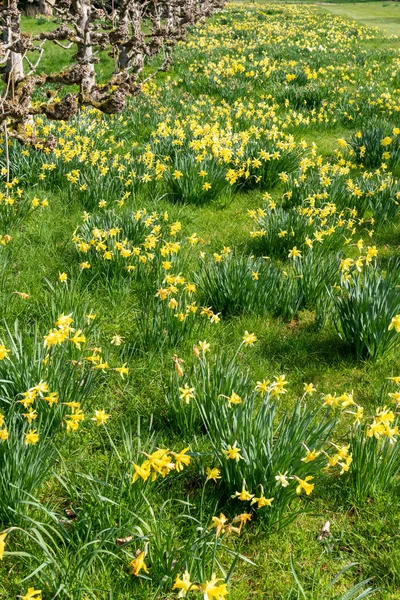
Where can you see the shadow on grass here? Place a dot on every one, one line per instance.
(302, 346)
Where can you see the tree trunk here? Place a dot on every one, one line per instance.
(46, 7)
(14, 71)
(31, 9)
(123, 32)
(138, 59)
(82, 10)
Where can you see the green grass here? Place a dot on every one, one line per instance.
(385, 15)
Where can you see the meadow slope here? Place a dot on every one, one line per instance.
(200, 324)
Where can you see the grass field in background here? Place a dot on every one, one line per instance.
(385, 15)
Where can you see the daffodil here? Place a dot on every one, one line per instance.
(211, 590)
(219, 523)
(124, 370)
(303, 485)
(309, 389)
(138, 564)
(181, 459)
(117, 340)
(249, 339)
(2, 544)
(100, 417)
(232, 453)
(310, 456)
(213, 473)
(32, 594)
(281, 479)
(262, 500)
(4, 352)
(31, 438)
(187, 393)
(395, 324)
(184, 585)
(244, 495)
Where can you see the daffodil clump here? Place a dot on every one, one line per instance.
(148, 250)
(45, 390)
(161, 462)
(141, 244)
(372, 456)
(366, 303)
(15, 206)
(371, 148)
(313, 223)
(245, 429)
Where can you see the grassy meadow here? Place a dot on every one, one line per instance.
(200, 323)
